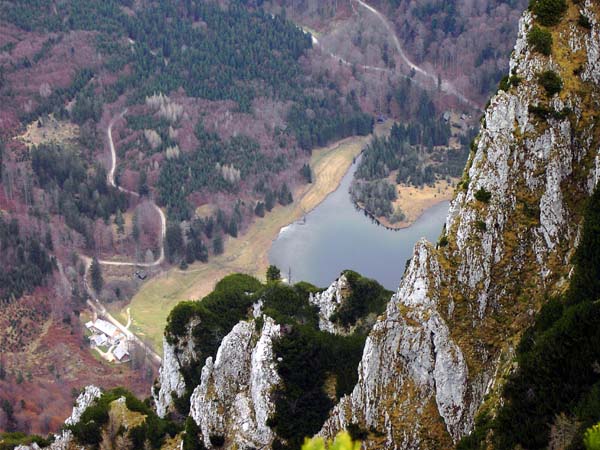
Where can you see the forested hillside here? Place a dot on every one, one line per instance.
(210, 105)
(25, 261)
(465, 41)
(422, 149)
(217, 94)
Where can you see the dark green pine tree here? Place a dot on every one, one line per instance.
(190, 257)
(269, 200)
(174, 242)
(285, 195)
(585, 282)
(306, 173)
(217, 244)
(1, 143)
(143, 188)
(233, 227)
(49, 244)
(273, 274)
(120, 222)
(96, 274)
(260, 209)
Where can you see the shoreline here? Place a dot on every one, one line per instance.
(248, 253)
(414, 202)
(403, 225)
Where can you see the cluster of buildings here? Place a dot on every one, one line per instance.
(105, 334)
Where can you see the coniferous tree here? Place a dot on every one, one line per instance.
(237, 212)
(49, 244)
(273, 273)
(190, 257)
(217, 244)
(143, 188)
(199, 249)
(259, 210)
(135, 232)
(96, 275)
(222, 220)
(174, 242)
(120, 222)
(209, 227)
(1, 143)
(233, 227)
(285, 195)
(269, 200)
(306, 173)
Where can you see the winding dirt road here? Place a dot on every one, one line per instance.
(111, 181)
(446, 86)
(94, 303)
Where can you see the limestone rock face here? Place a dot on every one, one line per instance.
(511, 229)
(328, 301)
(170, 379)
(89, 395)
(408, 351)
(63, 441)
(233, 401)
(592, 44)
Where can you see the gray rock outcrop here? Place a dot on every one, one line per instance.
(233, 400)
(511, 230)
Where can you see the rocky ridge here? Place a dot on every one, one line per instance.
(63, 441)
(438, 353)
(233, 400)
(170, 380)
(450, 328)
(328, 302)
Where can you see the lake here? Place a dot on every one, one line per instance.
(336, 236)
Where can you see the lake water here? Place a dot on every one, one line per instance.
(336, 236)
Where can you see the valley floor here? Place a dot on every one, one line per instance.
(247, 254)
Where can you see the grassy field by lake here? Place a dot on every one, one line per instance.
(248, 253)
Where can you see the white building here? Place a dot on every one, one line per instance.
(102, 327)
(121, 353)
(98, 340)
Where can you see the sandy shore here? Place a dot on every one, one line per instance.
(414, 201)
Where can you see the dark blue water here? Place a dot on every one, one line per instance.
(337, 236)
